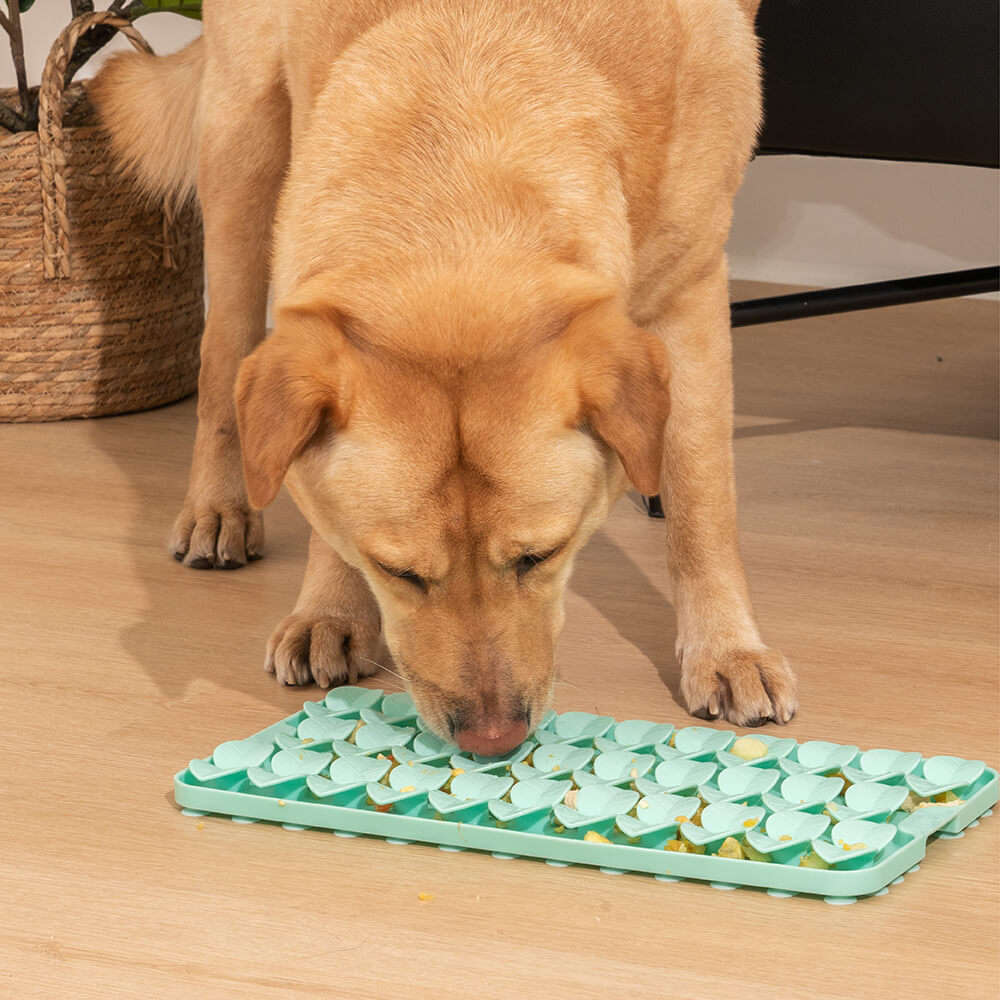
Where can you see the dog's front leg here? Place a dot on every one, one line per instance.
(243, 154)
(332, 634)
(726, 670)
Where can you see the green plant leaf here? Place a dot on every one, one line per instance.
(186, 8)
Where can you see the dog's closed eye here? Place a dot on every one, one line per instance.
(527, 562)
(404, 574)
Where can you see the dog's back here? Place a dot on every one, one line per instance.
(647, 52)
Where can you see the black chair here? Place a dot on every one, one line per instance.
(915, 80)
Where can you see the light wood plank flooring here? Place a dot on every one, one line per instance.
(867, 452)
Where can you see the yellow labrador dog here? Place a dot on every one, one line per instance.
(488, 225)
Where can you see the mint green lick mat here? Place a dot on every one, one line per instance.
(694, 803)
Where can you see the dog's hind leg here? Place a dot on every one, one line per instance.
(243, 154)
(726, 670)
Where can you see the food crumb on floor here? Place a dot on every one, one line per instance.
(424, 896)
(199, 826)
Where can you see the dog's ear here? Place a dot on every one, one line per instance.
(291, 386)
(624, 386)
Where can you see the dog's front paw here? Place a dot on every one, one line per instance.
(324, 648)
(747, 687)
(217, 534)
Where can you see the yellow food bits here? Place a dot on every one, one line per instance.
(812, 860)
(556, 767)
(748, 748)
(681, 819)
(424, 896)
(281, 802)
(852, 847)
(950, 802)
(692, 848)
(948, 797)
(785, 836)
(683, 846)
(199, 826)
(731, 849)
(408, 788)
(644, 803)
(847, 784)
(308, 739)
(748, 823)
(751, 854)
(456, 771)
(593, 837)
(634, 773)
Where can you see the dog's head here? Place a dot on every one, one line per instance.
(458, 453)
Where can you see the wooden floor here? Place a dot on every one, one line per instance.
(867, 450)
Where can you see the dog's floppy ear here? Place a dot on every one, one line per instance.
(624, 391)
(293, 384)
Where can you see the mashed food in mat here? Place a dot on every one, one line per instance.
(748, 748)
(812, 860)
(731, 848)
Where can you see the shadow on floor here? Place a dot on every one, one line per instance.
(196, 624)
(867, 369)
(614, 585)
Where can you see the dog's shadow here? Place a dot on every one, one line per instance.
(189, 627)
(211, 626)
(611, 582)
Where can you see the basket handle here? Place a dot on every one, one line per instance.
(51, 155)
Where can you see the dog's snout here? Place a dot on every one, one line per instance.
(492, 738)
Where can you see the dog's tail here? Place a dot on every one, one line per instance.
(149, 106)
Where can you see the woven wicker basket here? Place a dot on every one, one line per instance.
(101, 296)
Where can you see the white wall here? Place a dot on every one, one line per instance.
(41, 26)
(826, 221)
(800, 220)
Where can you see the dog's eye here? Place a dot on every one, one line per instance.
(530, 560)
(404, 574)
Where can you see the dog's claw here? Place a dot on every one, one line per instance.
(323, 648)
(747, 687)
(225, 538)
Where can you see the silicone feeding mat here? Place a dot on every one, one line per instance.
(694, 803)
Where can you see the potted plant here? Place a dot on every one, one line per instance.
(101, 293)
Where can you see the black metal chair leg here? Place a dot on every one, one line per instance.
(826, 301)
(653, 505)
